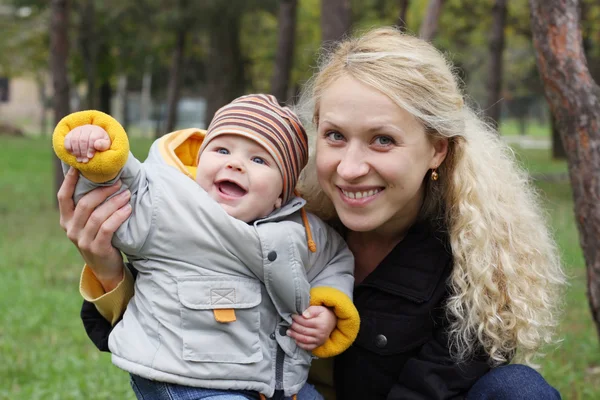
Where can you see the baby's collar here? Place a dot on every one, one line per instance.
(293, 205)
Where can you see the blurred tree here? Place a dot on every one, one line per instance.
(182, 22)
(285, 49)
(59, 52)
(590, 14)
(429, 26)
(574, 99)
(336, 19)
(226, 78)
(401, 23)
(89, 46)
(493, 108)
(24, 48)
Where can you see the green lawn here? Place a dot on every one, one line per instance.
(533, 127)
(45, 354)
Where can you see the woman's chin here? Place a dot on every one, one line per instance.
(359, 223)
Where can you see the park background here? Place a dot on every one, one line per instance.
(159, 65)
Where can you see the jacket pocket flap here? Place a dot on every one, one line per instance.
(209, 292)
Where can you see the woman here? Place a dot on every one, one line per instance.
(456, 272)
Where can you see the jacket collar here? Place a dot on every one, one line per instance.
(292, 206)
(416, 266)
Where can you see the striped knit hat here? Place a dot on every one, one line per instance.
(260, 117)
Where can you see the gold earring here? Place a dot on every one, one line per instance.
(434, 175)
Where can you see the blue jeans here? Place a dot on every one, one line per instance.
(512, 382)
(146, 389)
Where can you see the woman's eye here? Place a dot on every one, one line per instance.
(335, 136)
(258, 160)
(384, 140)
(222, 150)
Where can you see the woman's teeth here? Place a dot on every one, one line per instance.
(360, 195)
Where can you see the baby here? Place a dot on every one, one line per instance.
(225, 261)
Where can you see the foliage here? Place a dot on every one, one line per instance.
(24, 42)
(135, 36)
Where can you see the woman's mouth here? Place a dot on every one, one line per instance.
(359, 197)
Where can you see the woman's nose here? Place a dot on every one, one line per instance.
(352, 165)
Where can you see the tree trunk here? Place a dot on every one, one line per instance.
(175, 78)
(522, 125)
(105, 97)
(88, 43)
(336, 19)
(401, 23)
(574, 100)
(40, 79)
(494, 79)
(225, 65)
(558, 150)
(285, 49)
(121, 105)
(145, 100)
(429, 25)
(59, 50)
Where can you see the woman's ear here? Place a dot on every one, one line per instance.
(440, 147)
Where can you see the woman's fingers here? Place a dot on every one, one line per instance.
(115, 218)
(80, 221)
(66, 206)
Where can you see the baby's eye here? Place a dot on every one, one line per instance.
(335, 136)
(384, 140)
(222, 150)
(258, 160)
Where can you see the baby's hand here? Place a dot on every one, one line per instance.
(313, 327)
(85, 140)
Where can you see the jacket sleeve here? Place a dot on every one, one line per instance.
(104, 166)
(110, 305)
(432, 374)
(332, 283)
(96, 323)
(104, 169)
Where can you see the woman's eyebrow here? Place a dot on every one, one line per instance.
(330, 123)
(386, 128)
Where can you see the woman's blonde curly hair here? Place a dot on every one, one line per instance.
(507, 279)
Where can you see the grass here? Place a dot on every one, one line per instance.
(45, 353)
(533, 128)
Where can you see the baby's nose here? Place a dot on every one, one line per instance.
(235, 165)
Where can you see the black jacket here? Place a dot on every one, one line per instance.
(401, 351)
(97, 328)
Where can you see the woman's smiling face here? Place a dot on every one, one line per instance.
(372, 157)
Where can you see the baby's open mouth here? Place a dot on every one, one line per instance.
(231, 189)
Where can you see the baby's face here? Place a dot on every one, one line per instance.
(241, 176)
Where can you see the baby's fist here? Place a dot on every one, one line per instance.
(85, 140)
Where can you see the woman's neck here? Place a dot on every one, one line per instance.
(370, 249)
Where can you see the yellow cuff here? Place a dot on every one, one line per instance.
(111, 305)
(105, 165)
(348, 320)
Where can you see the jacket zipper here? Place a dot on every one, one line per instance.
(279, 368)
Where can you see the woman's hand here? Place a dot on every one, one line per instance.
(91, 229)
